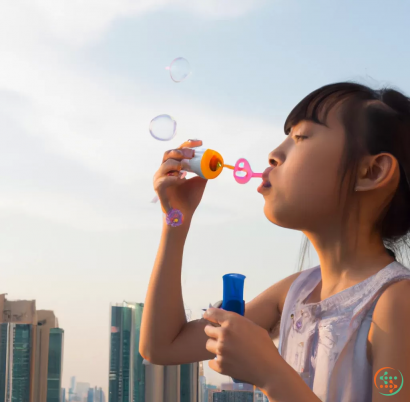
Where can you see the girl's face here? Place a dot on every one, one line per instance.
(304, 178)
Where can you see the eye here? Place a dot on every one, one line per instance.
(300, 137)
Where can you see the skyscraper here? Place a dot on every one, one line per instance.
(15, 361)
(259, 396)
(176, 383)
(189, 382)
(81, 390)
(201, 383)
(25, 353)
(71, 391)
(99, 395)
(55, 364)
(17, 337)
(127, 374)
(90, 396)
(234, 396)
(211, 392)
(120, 351)
(73, 383)
(49, 350)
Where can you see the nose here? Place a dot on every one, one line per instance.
(275, 157)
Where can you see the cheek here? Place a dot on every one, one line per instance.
(304, 194)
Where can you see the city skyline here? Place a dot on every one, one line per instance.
(83, 392)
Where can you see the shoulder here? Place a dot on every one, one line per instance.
(393, 301)
(390, 329)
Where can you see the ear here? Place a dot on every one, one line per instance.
(376, 171)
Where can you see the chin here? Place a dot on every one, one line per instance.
(282, 217)
(272, 216)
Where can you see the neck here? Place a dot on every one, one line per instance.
(347, 260)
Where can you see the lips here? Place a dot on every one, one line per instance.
(265, 180)
(265, 177)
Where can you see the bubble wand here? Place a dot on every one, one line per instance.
(208, 164)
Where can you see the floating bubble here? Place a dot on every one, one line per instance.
(163, 127)
(179, 69)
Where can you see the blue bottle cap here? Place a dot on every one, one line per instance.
(233, 293)
(233, 286)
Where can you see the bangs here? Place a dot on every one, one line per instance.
(316, 106)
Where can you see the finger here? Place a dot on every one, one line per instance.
(178, 154)
(191, 144)
(216, 315)
(211, 345)
(212, 332)
(169, 166)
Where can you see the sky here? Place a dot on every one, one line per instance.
(79, 85)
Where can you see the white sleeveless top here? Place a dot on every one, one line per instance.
(326, 342)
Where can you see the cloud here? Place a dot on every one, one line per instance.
(91, 165)
(78, 22)
(75, 142)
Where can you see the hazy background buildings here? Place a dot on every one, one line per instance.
(82, 392)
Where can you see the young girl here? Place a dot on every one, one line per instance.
(342, 177)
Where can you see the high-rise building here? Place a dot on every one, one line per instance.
(46, 343)
(176, 383)
(73, 383)
(17, 340)
(211, 392)
(55, 364)
(233, 396)
(201, 383)
(81, 390)
(189, 382)
(259, 396)
(15, 361)
(127, 373)
(233, 386)
(30, 356)
(90, 396)
(99, 395)
(71, 391)
(206, 393)
(63, 398)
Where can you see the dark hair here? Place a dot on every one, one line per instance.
(375, 121)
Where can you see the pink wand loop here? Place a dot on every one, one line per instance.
(242, 172)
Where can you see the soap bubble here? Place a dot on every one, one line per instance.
(163, 127)
(179, 69)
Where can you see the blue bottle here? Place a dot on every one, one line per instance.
(233, 296)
